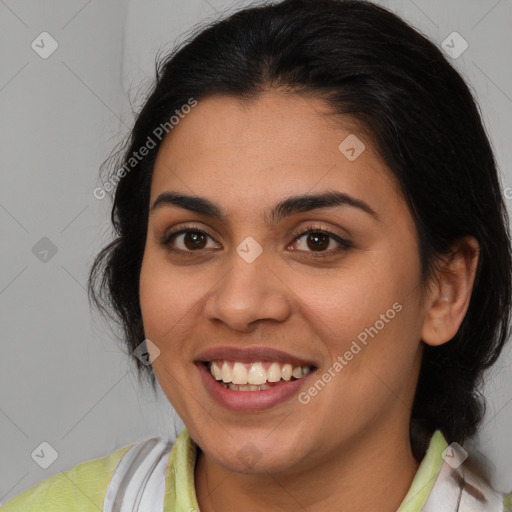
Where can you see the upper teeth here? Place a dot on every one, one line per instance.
(255, 373)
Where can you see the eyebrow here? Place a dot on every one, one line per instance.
(283, 209)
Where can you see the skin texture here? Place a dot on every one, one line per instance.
(339, 450)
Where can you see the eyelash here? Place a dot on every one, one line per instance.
(344, 245)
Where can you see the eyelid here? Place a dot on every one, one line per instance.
(315, 227)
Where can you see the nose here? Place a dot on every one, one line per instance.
(248, 294)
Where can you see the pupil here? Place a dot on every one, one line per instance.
(320, 240)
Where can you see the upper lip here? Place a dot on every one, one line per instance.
(250, 355)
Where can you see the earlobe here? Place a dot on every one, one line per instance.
(450, 292)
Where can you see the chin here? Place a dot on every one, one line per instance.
(255, 454)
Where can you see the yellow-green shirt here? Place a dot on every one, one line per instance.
(83, 488)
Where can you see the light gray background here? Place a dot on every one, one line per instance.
(63, 378)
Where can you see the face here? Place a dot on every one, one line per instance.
(265, 282)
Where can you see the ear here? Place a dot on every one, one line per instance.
(450, 292)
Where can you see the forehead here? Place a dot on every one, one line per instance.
(276, 145)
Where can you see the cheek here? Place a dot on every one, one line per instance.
(370, 310)
(368, 333)
(350, 298)
(164, 298)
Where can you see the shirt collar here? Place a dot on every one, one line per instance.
(180, 491)
(426, 475)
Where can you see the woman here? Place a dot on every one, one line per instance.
(312, 252)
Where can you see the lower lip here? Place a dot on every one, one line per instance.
(249, 400)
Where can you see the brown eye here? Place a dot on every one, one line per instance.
(189, 241)
(194, 240)
(318, 241)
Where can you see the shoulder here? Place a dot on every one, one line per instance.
(507, 504)
(82, 488)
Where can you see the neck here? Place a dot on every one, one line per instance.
(373, 470)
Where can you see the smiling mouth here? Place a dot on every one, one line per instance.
(256, 376)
